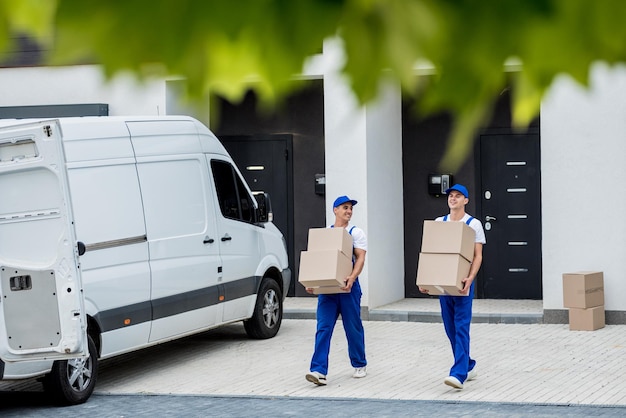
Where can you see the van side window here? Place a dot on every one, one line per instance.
(234, 200)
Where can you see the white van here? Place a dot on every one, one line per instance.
(117, 233)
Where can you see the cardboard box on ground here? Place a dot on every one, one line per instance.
(327, 261)
(583, 294)
(588, 319)
(447, 252)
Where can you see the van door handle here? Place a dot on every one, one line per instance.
(208, 240)
(226, 238)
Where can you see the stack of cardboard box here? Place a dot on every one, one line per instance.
(583, 294)
(327, 261)
(447, 252)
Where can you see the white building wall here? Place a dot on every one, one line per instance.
(80, 84)
(583, 172)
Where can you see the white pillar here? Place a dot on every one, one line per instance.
(363, 147)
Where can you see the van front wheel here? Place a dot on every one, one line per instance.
(71, 382)
(268, 312)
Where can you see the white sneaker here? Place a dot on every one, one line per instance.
(472, 374)
(317, 378)
(453, 381)
(360, 372)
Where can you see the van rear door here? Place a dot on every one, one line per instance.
(41, 300)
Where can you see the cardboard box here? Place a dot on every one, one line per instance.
(448, 238)
(327, 290)
(589, 319)
(330, 239)
(324, 268)
(441, 274)
(584, 289)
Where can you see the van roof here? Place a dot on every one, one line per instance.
(98, 137)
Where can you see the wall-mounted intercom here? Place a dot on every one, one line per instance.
(320, 184)
(439, 183)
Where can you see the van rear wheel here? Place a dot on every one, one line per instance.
(71, 382)
(268, 312)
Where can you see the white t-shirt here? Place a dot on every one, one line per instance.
(475, 224)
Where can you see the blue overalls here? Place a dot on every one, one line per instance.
(456, 312)
(328, 309)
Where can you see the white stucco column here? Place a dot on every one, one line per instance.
(363, 147)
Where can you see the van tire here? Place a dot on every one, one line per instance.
(268, 312)
(71, 382)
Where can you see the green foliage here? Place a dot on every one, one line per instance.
(230, 46)
(34, 17)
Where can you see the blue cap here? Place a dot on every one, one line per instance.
(343, 199)
(459, 188)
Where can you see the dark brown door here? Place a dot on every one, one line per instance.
(266, 164)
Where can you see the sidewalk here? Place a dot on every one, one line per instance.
(503, 311)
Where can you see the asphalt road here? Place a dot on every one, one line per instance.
(35, 404)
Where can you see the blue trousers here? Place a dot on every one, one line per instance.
(328, 309)
(456, 312)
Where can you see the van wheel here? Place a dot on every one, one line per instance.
(268, 312)
(71, 382)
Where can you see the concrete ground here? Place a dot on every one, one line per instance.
(521, 362)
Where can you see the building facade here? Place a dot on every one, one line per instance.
(549, 197)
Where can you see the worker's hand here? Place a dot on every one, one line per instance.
(467, 283)
(421, 289)
(349, 282)
(309, 290)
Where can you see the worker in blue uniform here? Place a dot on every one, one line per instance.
(456, 311)
(348, 305)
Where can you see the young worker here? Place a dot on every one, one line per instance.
(456, 311)
(329, 307)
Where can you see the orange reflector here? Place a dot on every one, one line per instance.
(127, 321)
(221, 298)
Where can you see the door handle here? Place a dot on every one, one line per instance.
(226, 238)
(489, 218)
(82, 248)
(208, 240)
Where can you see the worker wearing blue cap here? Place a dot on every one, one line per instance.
(348, 305)
(456, 311)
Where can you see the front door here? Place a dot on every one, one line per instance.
(510, 206)
(266, 164)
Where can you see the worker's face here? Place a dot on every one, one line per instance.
(343, 212)
(456, 200)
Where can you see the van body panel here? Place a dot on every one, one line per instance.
(168, 328)
(36, 218)
(180, 222)
(124, 340)
(106, 197)
(95, 139)
(209, 142)
(240, 307)
(159, 138)
(26, 369)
